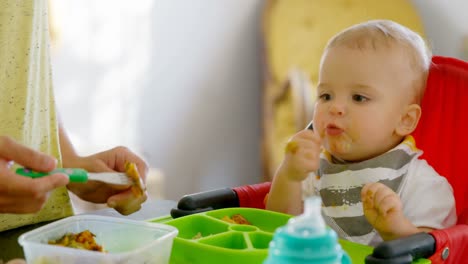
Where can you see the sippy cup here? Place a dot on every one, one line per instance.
(306, 239)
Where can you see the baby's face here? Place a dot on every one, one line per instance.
(361, 97)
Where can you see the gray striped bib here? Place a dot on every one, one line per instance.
(339, 186)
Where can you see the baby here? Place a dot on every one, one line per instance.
(360, 157)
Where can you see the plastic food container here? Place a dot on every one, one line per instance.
(126, 241)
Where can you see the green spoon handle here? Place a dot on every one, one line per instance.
(75, 175)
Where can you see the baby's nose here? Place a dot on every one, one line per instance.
(337, 108)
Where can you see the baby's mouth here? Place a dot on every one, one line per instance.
(333, 130)
(339, 141)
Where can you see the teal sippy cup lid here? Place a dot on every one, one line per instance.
(306, 239)
(311, 222)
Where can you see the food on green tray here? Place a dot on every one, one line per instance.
(83, 240)
(236, 219)
(197, 236)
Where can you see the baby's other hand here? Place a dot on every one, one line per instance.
(383, 209)
(302, 155)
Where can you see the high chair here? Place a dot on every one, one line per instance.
(442, 134)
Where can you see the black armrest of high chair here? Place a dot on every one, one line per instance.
(205, 201)
(244, 196)
(439, 246)
(403, 250)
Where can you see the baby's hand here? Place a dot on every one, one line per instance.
(302, 155)
(383, 209)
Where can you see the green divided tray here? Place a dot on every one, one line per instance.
(205, 238)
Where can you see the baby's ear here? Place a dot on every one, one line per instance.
(409, 120)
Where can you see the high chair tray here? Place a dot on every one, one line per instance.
(206, 238)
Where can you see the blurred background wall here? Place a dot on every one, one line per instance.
(179, 82)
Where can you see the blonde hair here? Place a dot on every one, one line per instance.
(386, 33)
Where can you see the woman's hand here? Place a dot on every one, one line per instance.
(20, 194)
(121, 198)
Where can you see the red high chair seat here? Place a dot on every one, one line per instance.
(442, 134)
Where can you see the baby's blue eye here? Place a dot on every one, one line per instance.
(359, 98)
(325, 97)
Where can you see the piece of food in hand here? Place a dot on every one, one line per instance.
(236, 219)
(83, 240)
(291, 147)
(138, 187)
